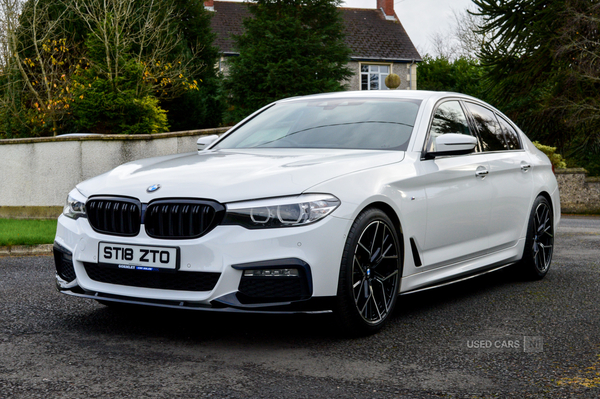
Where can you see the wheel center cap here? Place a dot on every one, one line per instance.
(368, 272)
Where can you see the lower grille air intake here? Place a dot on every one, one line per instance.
(277, 280)
(179, 281)
(272, 289)
(63, 260)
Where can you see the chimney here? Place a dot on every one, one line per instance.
(209, 5)
(387, 7)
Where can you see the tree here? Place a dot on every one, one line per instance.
(579, 47)
(463, 75)
(101, 65)
(137, 54)
(542, 70)
(202, 108)
(12, 120)
(463, 40)
(289, 48)
(143, 32)
(40, 59)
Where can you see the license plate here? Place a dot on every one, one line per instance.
(138, 257)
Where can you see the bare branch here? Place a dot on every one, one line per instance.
(120, 26)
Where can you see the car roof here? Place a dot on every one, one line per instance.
(399, 94)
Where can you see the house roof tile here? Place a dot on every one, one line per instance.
(368, 33)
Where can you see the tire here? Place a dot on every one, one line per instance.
(370, 274)
(539, 244)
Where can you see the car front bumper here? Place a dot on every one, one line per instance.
(222, 255)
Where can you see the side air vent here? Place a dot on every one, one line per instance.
(415, 252)
(182, 218)
(119, 216)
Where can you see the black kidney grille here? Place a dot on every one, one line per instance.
(179, 281)
(181, 219)
(116, 216)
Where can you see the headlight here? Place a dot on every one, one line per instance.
(281, 212)
(75, 206)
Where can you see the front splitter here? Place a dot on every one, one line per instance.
(224, 304)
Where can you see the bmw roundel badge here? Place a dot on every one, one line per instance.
(153, 188)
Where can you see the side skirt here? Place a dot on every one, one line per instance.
(457, 280)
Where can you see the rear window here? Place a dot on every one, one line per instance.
(490, 132)
(382, 124)
(510, 134)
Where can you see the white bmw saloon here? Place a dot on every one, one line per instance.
(336, 203)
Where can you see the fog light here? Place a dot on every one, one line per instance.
(271, 273)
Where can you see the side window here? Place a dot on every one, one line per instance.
(490, 132)
(511, 135)
(449, 117)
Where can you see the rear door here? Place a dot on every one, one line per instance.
(510, 180)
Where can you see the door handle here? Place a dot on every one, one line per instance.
(481, 173)
(525, 167)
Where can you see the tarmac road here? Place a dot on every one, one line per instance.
(494, 336)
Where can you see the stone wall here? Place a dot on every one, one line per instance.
(38, 173)
(578, 193)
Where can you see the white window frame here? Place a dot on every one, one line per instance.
(373, 69)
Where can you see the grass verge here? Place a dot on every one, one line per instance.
(27, 231)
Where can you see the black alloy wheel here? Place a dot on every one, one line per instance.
(539, 244)
(370, 273)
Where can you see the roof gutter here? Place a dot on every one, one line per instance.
(380, 59)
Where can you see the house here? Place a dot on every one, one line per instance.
(379, 43)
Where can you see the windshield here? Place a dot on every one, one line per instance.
(380, 124)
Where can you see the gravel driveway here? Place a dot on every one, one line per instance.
(493, 336)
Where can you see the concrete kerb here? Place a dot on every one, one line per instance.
(26, 250)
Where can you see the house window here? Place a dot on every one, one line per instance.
(373, 77)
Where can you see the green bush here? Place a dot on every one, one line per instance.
(463, 75)
(100, 108)
(557, 160)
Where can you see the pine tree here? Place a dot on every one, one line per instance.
(522, 74)
(289, 48)
(542, 70)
